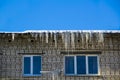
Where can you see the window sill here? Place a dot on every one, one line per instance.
(89, 75)
(31, 75)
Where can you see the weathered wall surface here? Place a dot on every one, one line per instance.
(51, 45)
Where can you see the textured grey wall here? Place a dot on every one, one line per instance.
(13, 51)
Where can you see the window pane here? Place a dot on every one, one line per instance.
(36, 65)
(81, 65)
(92, 65)
(69, 65)
(27, 65)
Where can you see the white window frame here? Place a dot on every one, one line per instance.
(31, 65)
(75, 65)
(97, 65)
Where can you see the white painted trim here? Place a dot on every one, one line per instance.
(86, 64)
(31, 66)
(75, 64)
(98, 59)
(22, 65)
(97, 64)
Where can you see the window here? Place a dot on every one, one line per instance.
(31, 65)
(69, 65)
(81, 65)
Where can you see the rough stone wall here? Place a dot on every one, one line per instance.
(52, 59)
(110, 57)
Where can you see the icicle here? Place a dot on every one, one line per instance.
(13, 36)
(32, 34)
(101, 38)
(82, 39)
(87, 37)
(39, 35)
(51, 34)
(65, 40)
(36, 35)
(55, 38)
(63, 37)
(90, 36)
(42, 37)
(77, 34)
(110, 42)
(72, 40)
(46, 37)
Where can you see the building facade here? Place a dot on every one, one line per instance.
(60, 55)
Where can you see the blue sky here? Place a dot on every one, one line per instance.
(21, 15)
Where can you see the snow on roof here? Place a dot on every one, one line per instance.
(106, 31)
(61, 31)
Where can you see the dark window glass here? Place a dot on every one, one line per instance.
(27, 65)
(81, 65)
(92, 65)
(36, 65)
(69, 65)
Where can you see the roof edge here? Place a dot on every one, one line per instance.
(61, 31)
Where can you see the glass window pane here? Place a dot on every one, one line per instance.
(27, 65)
(92, 65)
(69, 65)
(81, 65)
(36, 65)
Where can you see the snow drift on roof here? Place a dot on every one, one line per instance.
(61, 31)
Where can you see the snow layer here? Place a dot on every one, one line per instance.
(61, 31)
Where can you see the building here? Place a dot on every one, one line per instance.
(60, 55)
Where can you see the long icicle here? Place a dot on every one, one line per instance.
(55, 38)
(66, 40)
(36, 35)
(46, 37)
(87, 39)
(82, 39)
(72, 40)
(13, 36)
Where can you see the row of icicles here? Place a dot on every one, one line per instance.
(69, 37)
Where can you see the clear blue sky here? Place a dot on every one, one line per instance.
(20, 15)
